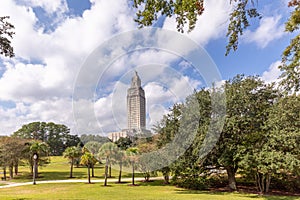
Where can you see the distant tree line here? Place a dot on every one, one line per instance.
(57, 136)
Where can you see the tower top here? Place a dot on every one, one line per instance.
(135, 81)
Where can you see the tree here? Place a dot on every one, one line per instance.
(6, 34)
(57, 136)
(42, 151)
(72, 153)
(248, 100)
(124, 143)
(93, 147)
(88, 159)
(11, 153)
(108, 151)
(96, 138)
(276, 149)
(132, 154)
(291, 54)
(167, 129)
(187, 12)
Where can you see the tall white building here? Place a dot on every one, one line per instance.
(136, 112)
(136, 105)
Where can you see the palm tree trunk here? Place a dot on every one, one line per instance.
(132, 172)
(106, 172)
(93, 174)
(89, 174)
(120, 172)
(71, 170)
(109, 171)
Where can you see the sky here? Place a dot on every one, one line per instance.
(74, 60)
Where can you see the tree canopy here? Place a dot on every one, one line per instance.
(57, 136)
(6, 34)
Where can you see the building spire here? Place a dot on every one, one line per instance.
(136, 81)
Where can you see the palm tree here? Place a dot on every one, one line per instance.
(88, 160)
(132, 155)
(72, 153)
(41, 149)
(120, 155)
(107, 151)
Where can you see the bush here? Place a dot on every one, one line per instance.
(193, 183)
(286, 182)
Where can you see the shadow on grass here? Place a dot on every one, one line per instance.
(153, 183)
(241, 194)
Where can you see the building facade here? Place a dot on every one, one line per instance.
(136, 105)
(136, 112)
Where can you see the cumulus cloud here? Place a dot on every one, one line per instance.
(40, 79)
(270, 29)
(273, 73)
(210, 25)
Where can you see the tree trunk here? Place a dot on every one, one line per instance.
(231, 178)
(268, 182)
(120, 172)
(16, 168)
(166, 173)
(36, 169)
(11, 171)
(93, 174)
(4, 174)
(71, 170)
(89, 174)
(106, 172)
(132, 172)
(263, 182)
(109, 172)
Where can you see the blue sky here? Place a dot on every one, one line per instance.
(55, 39)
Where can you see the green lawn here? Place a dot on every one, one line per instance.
(121, 191)
(59, 170)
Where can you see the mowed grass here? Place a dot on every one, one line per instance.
(59, 169)
(145, 191)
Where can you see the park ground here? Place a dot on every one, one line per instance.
(78, 188)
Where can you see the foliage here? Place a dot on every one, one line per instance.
(291, 55)
(96, 138)
(72, 153)
(187, 12)
(192, 183)
(6, 34)
(42, 151)
(109, 151)
(11, 153)
(277, 150)
(89, 160)
(124, 143)
(93, 146)
(57, 136)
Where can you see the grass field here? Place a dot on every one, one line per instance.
(59, 170)
(146, 191)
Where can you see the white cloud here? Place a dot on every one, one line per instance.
(39, 80)
(50, 6)
(270, 29)
(211, 24)
(273, 73)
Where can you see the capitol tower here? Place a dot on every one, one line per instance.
(136, 105)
